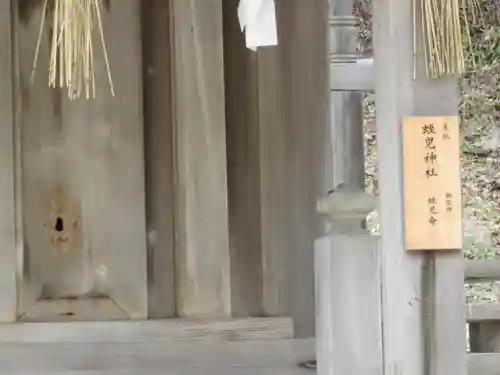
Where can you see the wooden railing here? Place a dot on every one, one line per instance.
(483, 321)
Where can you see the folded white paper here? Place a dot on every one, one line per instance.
(258, 21)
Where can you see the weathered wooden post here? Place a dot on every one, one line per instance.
(422, 293)
(347, 288)
(348, 327)
(8, 254)
(421, 330)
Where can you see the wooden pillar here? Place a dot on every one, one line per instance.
(276, 233)
(410, 348)
(202, 238)
(348, 334)
(159, 155)
(242, 124)
(303, 38)
(347, 258)
(257, 174)
(8, 258)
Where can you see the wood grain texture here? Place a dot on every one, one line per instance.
(83, 165)
(202, 234)
(37, 134)
(159, 153)
(244, 166)
(257, 172)
(107, 140)
(123, 332)
(305, 87)
(348, 329)
(275, 357)
(399, 95)
(276, 238)
(432, 186)
(8, 252)
(440, 98)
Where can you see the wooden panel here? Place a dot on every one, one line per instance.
(8, 259)
(243, 140)
(158, 127)
(121, 332)
(39, 123)
(302, 36)
(106, 168)
(83, 167)
(273, 357)
(398, 95)
(432, 186)
(111, 182)
(276, 357)
(202, 238)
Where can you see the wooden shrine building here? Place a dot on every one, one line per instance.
(188, 205)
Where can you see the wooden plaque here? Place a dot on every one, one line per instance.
(432, 186)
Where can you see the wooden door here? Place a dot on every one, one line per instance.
(81, 181)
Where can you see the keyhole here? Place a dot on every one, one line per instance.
(59, 224)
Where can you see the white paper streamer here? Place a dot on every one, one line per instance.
(258, 21)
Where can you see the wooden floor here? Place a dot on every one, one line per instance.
(247, 346)
(260, 346)
(274, 357)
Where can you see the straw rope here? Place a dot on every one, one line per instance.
(72, 49)
(443, 35)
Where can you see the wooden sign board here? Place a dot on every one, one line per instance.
(432, 186)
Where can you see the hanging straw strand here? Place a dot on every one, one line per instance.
(442, 35)
(71, 64)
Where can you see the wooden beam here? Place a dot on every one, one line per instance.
(159, 154)
(482, 312)
(8, 252)
(352, 76)
(202, 234)
(482, 270)
(121, 332)
(405, 286)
